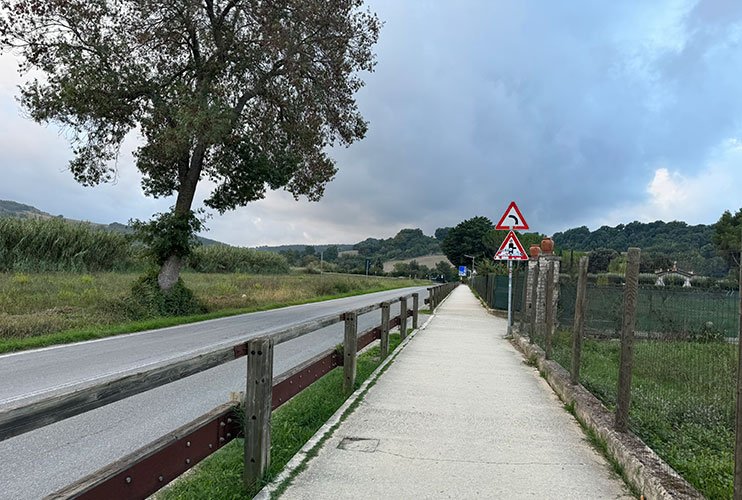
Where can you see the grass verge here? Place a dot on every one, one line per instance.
(292, 425)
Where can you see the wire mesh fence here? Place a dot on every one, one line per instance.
(683, 389)
(493, 290)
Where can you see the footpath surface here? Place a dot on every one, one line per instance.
(458, 415)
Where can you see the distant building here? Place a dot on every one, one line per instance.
(686, 276)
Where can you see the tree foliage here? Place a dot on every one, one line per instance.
(727, 235)
(246, 94)
(466, 239)
(600, 259)
(407, 243)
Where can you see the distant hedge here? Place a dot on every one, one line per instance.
(227, 259)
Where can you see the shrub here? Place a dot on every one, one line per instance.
(147, 300)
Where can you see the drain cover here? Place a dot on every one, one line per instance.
(365, 445)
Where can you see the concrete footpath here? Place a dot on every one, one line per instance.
(459, 415)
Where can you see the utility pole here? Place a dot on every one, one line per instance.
(321, 260)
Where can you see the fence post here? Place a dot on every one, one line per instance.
(403, 318)
(522, 323)
(384, 330)
(623, 399)
(415, 309)
(579, 323)
(350, 347)
(549, 310)
(738, 422)
(258, 403)
(534, 293)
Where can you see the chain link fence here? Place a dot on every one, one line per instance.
(683, 375)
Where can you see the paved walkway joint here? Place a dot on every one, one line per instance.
(459, 415)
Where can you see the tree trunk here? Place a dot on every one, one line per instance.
(169, 273)
(170, 270)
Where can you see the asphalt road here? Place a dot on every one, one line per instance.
(40, 462)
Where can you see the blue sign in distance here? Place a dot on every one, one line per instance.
(462, 270)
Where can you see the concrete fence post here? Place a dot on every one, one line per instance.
(578, 328)
(415, 309)
(350, 348)
(549, 313)
(534, 296)
(385, 329)
(523, 310)
(630, 296)
(258, 404)
(403, 318)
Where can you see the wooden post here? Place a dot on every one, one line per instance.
(415, 308)
(534, 293)
(385, 329)
(738, 422)
(350, 348)
(523, 313)
(578, 328)
(403, 318)
(631, 290)
(549, 319)
(258, 402)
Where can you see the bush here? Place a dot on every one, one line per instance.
(148, 301)
(228, 259)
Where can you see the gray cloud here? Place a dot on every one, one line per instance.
(570, 108)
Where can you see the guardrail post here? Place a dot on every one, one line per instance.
(403, 318)
(385, 329)
(415, 308)
(623, 399)
(579, 324)
(350, 347)
(549, 312)
(258, 403)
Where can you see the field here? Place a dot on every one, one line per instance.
(39, 309)
(682, 402)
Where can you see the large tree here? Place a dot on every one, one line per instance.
(245, 94)
(727, 235)
(466, 239)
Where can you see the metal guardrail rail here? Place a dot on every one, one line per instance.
(148, 469)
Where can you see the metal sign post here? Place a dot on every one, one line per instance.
(511, 250)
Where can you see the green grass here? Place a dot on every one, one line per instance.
(292, 425)
(41, 309)
(682, 402)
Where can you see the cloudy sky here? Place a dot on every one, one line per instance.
(584, 112)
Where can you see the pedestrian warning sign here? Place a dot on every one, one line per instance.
(512, 219)
(511, 249)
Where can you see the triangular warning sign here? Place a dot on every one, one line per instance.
(512, 219)
(511, 249)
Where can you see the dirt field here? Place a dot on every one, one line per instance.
(425, 260)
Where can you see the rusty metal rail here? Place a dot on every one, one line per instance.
(145, 471)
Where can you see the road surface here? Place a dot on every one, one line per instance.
(42, 461)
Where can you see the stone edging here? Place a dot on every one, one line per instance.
(643, 468)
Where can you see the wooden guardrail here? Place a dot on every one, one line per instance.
(143, 472)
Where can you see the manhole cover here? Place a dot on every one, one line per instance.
(365, 445)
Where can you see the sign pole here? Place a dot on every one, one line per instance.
(510, 297)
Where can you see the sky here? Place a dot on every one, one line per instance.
(583, 112)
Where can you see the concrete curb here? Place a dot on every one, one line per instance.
(643, 468)
(302, 456)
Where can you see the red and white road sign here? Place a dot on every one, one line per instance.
(512, 219)
(511, 249)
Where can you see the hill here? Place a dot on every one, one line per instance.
(342, 247)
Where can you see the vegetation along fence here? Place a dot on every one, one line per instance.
(148, 469)
(662, 359)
